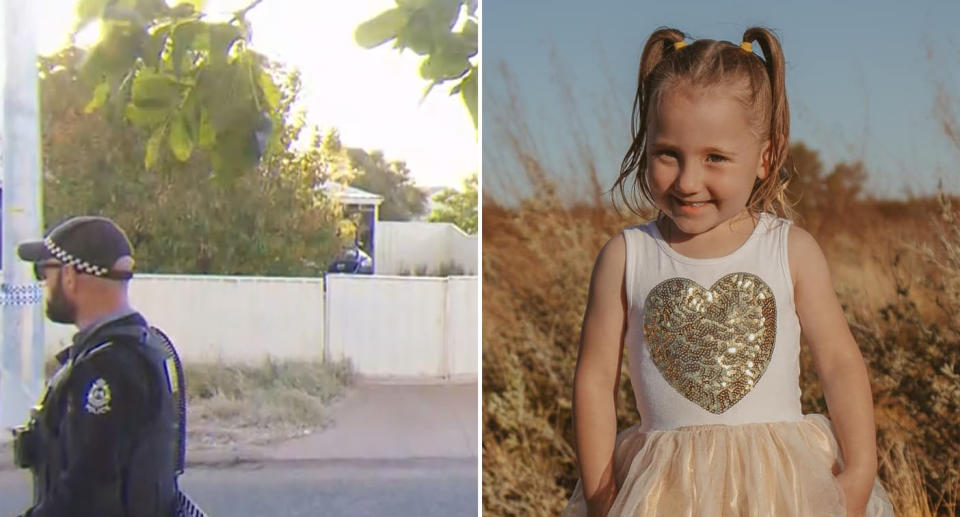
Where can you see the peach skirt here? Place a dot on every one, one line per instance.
(765, 469)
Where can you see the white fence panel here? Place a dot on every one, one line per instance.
(465, 250)
(387, 326)
(404, 326)
(462, 326)
(235, 319)
(410, 246)
(226, 319)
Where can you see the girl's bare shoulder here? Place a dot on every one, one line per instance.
(804, 253)
(609, 267)
(613, 254)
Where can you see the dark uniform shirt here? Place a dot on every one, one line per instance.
(105, 433)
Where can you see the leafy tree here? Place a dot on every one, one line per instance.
(427, 28)
(820, 197)
(458, 207)
(402, 199)
(192, 84)
(270, 221)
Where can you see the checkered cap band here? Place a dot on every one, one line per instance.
(80, 265)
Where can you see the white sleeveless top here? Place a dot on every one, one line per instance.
(712, 341)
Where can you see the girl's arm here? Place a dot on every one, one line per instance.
(842, 371)
(597, 377)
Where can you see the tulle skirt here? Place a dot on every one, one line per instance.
(767, 469)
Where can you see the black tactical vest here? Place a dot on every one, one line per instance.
(148, 484)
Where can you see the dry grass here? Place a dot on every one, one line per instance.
(899, 282)
(536, 267)
(236, 404)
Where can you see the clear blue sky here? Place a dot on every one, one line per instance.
(861, 78)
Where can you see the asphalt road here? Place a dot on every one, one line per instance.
(415, 488)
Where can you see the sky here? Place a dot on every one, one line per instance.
(861, 79)
(371, 96)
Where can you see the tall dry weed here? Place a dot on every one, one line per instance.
(913, 351)
(535, 288)
(537, 262)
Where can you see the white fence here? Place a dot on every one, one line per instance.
(411, 246)
(387, 326)
(228, 319)
(404, 326)
(236, 319)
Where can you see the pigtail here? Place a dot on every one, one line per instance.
(771, 192)
(661, 44)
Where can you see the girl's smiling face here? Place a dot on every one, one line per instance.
(703, 158)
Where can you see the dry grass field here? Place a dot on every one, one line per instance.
(896, 269)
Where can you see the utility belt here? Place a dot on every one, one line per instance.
(26, 442)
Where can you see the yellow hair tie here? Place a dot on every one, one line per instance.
(746, 45)
(679, 45)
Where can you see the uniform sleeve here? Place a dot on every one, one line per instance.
(108, 401)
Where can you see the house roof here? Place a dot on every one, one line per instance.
(351, 195)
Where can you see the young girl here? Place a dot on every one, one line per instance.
(709, 300)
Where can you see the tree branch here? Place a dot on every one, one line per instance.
(243, 12)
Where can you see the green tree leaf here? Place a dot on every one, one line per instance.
(468, 91)
(419, 33)
(382, 28)
(469, 37)
(444, 65)
(270, 91)
(444, 14)
(155, 90)
(145, 117)
(234, 153)
(116, 52)
(185, 35)
(190, 79)
(207, 135)
(100, 94)
(181, 145)
(426, 28)
(198, 5)
(413, 4)
(153, 148)
(222, 38)
(156, 44)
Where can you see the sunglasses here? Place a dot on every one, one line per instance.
(40, 269)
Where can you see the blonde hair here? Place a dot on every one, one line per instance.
(668, 63)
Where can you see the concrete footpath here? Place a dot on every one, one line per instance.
(391, 449)
(378, 422)
(372, 422)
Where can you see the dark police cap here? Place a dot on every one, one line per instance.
(89, 244)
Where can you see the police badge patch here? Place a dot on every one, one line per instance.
(98, 397)
(173, 382)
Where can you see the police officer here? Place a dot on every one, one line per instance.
(107, 437)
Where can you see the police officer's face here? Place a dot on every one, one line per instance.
(59, 308)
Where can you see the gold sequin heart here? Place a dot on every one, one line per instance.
(711, 346)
